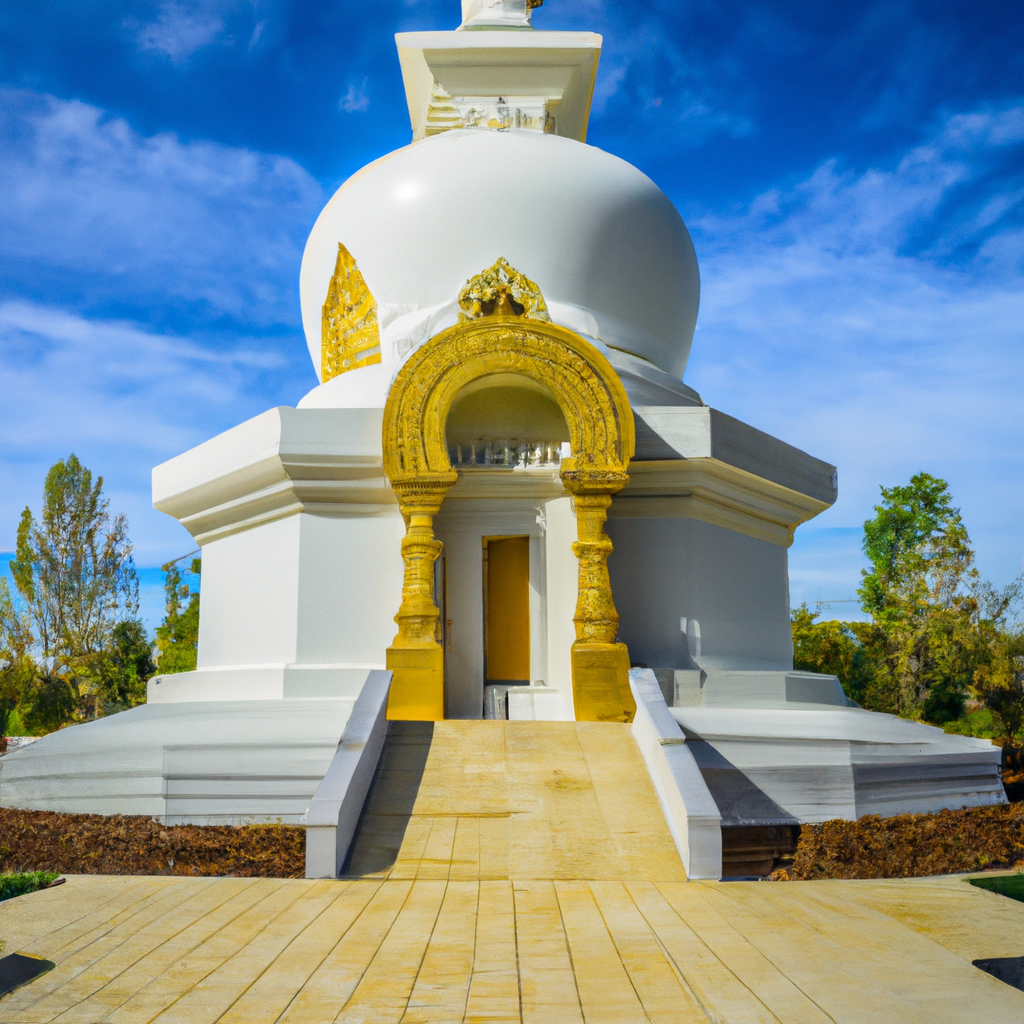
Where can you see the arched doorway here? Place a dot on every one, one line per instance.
(417, 463)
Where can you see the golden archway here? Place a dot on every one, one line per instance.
(416, 461)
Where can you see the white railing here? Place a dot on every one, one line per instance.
(333, 814)
(690, 810)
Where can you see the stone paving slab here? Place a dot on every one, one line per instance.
(479, 800)
(431, 951)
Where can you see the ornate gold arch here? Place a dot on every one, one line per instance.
(416, 461)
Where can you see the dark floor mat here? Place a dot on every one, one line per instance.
(17, 969)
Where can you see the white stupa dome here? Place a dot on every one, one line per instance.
(604, 244)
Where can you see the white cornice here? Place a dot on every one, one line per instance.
(328, 462)
(717, 493)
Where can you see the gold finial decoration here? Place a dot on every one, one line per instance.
(501, 291)
(349, 336)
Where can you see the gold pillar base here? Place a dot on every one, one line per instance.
(417, 684)
(600, 683)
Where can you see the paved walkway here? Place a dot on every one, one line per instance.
(134, 950)
(513, 800)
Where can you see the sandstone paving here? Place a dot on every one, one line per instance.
(512, 872)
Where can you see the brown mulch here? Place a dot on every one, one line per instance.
(910, 845)
(94, 844)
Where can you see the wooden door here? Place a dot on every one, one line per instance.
(507, 609)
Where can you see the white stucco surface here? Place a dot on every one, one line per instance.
(736, 587)
(807, 764)
(603, 243)
(205, 763)
(691, 813)
(333, 813)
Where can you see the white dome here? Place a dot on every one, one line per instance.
(604, 244)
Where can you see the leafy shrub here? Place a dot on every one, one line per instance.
(23, 882)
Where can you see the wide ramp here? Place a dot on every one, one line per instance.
(512, 800)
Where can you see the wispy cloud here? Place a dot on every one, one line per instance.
(356, 100)
(151, 299)
(99, 212)
(180, 29)
(648, 75)
(123, 398)
(876, 318)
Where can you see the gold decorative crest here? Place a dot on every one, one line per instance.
(350, 336)
(501, 291)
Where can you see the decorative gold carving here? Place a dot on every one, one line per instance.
(501, 290)
(349, 336)
(416, 461)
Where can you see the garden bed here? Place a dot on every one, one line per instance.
(94, 844)
(910, 845)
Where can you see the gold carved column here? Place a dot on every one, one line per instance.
(415, 657)
(600, 664)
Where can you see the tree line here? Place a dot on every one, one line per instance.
(941, 645)
(72, 645)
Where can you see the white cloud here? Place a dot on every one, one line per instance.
(121, 397)
(149, 219)
(180, 30)
(201, 236)
(356, 100)
(825, 321)
(650, 63)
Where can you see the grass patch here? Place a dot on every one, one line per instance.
(1005, 885)
(22, 882)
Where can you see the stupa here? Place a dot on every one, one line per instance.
(502, 457)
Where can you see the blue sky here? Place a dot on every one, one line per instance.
(852, 175)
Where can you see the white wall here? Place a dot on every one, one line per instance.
(737, 587)
(350, 569)
(250, 589)
(299, 607)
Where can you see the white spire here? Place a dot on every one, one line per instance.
(497, 13)
(496, 72)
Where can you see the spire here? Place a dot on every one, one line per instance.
(496, 72)
(477, 14)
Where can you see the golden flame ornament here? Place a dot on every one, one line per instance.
(501, 290)
(350, 335)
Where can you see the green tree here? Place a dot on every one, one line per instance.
(17, 669)
(934, 620)
(999, 680)
(834, 648)
(126, 665)
(76, 577)
(51, 703)
(177, 638)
